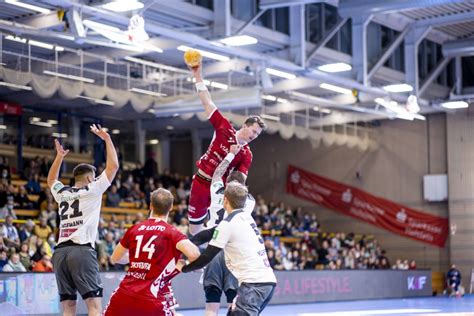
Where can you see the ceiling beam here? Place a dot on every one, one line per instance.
(298, 35)
(353, 8)
(274, 4)
(222, 18)
(326, 39)
(388, 52)
(463, 47)
(433, 75)
(447, 19)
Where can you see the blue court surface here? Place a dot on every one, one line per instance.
(437, 306)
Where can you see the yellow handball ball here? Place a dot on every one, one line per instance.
(192, 58)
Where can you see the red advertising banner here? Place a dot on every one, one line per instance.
(10, 108)
(374, 210)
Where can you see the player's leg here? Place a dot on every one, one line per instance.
(66, 287)
(213, 298)
(199, 200)
(69, 307)
(214, 284)
(87, 278)
(230, 285)
(94, 306)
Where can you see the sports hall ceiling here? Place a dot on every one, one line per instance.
(447, 25)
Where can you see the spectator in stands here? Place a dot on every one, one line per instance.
(6, 176)
(43, 265)
(25, 256)
(43, 230)
(26, 230)
(384, 264)
(3, 259)
(33, 186)
(150, 170)
(22, 200)
(42, 248)
(183, 225)
(323, 253)
(12, 237)
(137, 196)
(14, 264)
(8, 209)
(113, 198)
(3, 247)
(181, 191)
(412, 265)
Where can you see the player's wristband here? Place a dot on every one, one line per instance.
(200, 86)
(229, 157)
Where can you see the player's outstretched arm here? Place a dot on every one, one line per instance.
(53, 173)
(203, 93)
(202, 261)
(120, 255)
(112, 163)
(187, 248)
(222, 167)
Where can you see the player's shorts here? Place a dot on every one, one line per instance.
(218, 279)
(252, 298)
(199, 200)
(122, 304)
(77, 270)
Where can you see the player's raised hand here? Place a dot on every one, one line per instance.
(60, 151)
(99, 131)
(235, 149)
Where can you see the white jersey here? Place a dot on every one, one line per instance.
(245, 253)
(216, 210)
(79, 210)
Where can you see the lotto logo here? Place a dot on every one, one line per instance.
(416, 283)
(141, 228)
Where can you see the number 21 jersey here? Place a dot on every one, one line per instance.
(79, 210)
(152, 251)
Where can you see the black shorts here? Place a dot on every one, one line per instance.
(252, 298)
(77, 270)
(218, 279)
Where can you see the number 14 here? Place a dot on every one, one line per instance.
(148, 247)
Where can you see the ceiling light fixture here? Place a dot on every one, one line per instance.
(398, 88)
(3, 126)
(334, 88)
(336, 67)
(123, 5)
(15, 86)
(60, 135)
(153, 141)
(98, 101)
(71, 77)
(271, 98)
(170, 128)
(239, 40)
(270, 117)
(204, 53)
(148, 92)
(279, 73)
(115, 131)
(34, 43)
(455, 104)
(154, 65)
(28, 6)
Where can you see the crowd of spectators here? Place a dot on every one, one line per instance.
(292, 236)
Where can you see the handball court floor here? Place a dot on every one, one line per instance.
(436, 306)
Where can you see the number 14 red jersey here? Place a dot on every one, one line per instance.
(153, 256)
